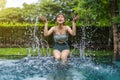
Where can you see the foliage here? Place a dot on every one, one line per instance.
(68, 8)
(94, 12)
(11, 15)
(91, 12)
(27, 14)
(11, 24)
(50, 8)
(30, 12)
(24, 24)
(117, 18)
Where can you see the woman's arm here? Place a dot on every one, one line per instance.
(73, 30)
(46, 31)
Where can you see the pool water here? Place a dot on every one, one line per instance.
(47, 68)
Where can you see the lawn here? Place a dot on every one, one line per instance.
(17, 53)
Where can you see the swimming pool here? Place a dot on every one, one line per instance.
(47, 68)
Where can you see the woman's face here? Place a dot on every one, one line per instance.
(60, 19)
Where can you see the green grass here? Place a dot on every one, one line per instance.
(13, 51)
(22, 52)
(99, 53)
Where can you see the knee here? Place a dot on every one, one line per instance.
(64, 57)
(57, 57)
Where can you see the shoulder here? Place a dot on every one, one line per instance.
(67, 27)
(53, 28)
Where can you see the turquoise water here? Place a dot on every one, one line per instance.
(47, 68)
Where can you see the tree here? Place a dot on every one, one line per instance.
(67, 7)
(116, 19)
(2, 4)
(100, 13)
(94, 12)
(11, 15)
(114, 4)
(30, 12)
(49, 8)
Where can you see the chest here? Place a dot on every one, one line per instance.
(60, 37)
(60, 31)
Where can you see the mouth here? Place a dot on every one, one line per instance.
(60, 20)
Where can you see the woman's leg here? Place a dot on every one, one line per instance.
(64, 55)
(57, 54)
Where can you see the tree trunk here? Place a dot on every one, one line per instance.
(115, 30)
(115, 41)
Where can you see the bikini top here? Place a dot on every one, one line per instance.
(60, 38)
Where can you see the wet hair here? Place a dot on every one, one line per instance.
(60, 14)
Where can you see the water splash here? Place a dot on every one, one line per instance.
(47, 68)
(38, 44)
(80, 45)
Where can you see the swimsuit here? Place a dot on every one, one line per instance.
(61, 42)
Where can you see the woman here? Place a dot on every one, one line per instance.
(60, 32)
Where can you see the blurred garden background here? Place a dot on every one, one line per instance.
(98, 27)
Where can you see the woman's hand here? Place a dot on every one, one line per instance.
(75, 18)
(44, 19)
